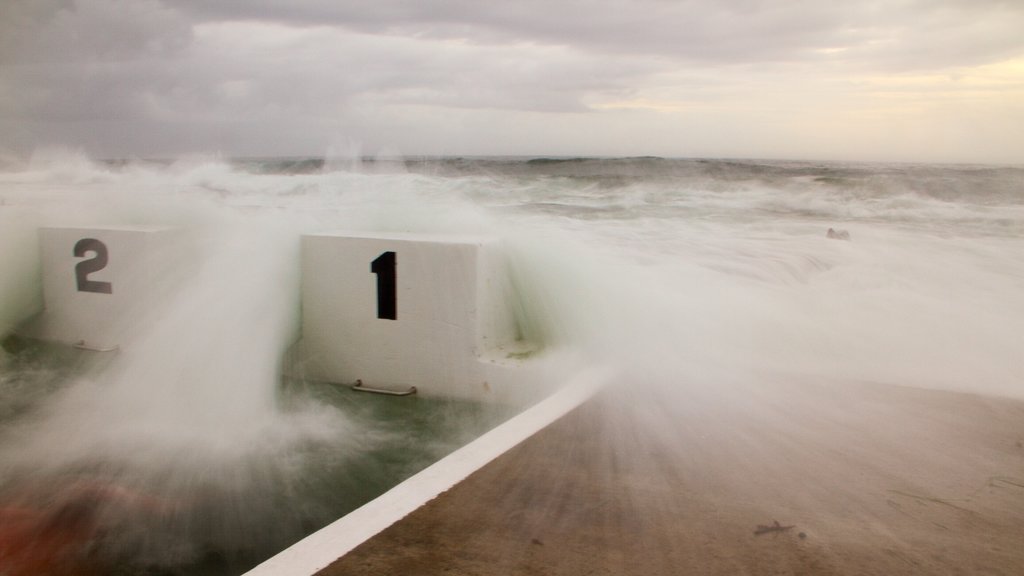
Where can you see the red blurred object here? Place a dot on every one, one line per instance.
(53, 542)
(55, 535)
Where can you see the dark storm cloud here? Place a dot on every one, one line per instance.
(696, 29)
(113, 60)
(87, 60)
(105, 73)
(71, 31)
(912, 33)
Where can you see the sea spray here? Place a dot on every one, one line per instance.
(186, 449)
(705, 282)
(179, 432)
(736, 273)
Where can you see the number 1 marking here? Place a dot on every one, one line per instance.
(94, 264)
(387, 297)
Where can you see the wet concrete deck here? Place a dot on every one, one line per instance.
(872, 479)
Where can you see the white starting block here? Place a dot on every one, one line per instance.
(396, 311)
(98, 281)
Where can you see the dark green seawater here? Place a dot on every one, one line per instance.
(183, 520)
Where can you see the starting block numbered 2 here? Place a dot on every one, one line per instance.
(98, 281)
(393, 311)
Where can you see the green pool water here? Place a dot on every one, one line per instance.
(223, 519)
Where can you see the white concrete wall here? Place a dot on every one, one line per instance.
(450, 311)
(21, 293)
(137, 259)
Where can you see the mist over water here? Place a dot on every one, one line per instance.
(681, 273)
(725, 267)
(188, 450)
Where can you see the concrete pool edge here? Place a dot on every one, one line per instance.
(323, 547)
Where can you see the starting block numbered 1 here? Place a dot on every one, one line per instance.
(393, 311)
(98, 281)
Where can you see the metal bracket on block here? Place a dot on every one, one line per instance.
(81, 345)
(358, 386)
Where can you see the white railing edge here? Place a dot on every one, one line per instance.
(320, 549)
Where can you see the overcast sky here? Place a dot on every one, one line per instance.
(906, 80)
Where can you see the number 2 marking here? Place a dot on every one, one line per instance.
(94, 264)
(384, 266)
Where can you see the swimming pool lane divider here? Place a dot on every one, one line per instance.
(320, 549)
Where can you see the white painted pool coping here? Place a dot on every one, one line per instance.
(320, 549)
